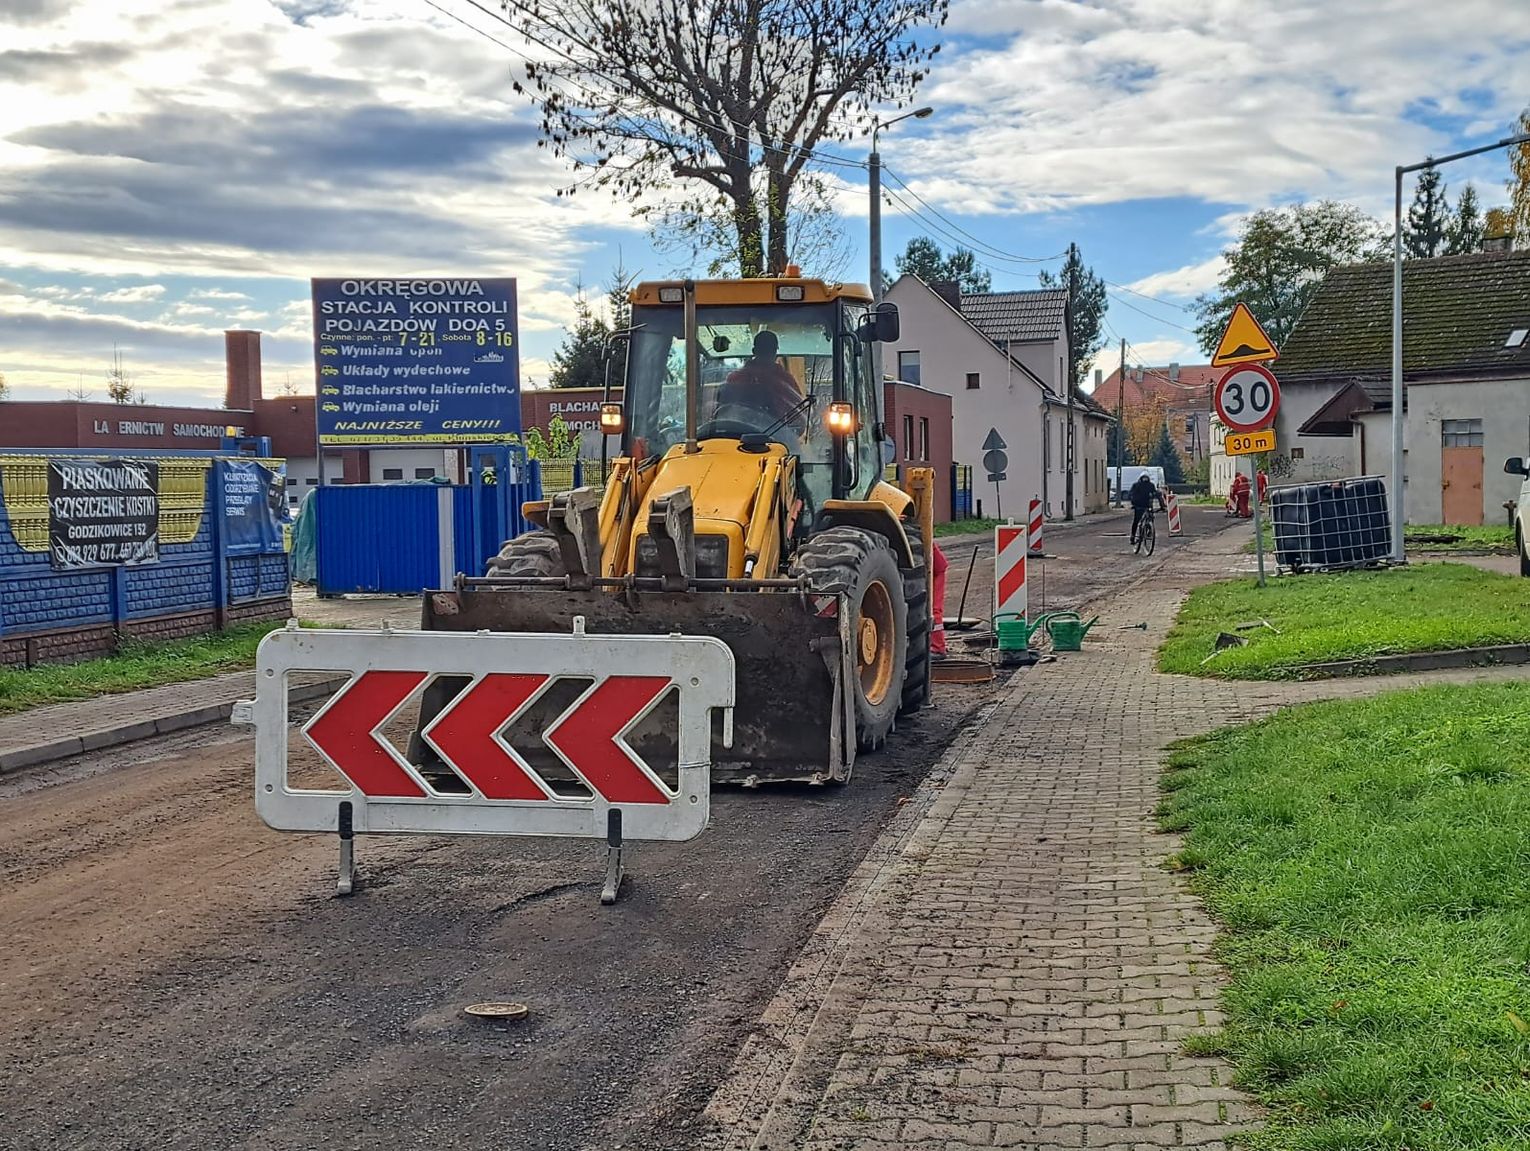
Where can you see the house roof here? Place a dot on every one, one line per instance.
(961, 315)
(1022, 317)
(1458, 313)
(1191, 387)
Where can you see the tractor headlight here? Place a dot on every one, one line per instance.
(712, 557)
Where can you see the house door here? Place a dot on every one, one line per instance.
(1461, 471)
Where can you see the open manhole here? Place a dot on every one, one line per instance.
(497, 1012)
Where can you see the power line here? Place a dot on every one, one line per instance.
(940, 231)
(1145, 296)
(1149, 315)
(823, 157)
(989, 249)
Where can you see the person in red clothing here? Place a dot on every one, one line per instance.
(762, 383)
(1264, 485)
(1239, 495)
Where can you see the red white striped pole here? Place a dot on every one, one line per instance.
(1174, 524)
(1009, 570)
(1035, 527)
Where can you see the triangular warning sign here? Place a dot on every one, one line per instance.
(994, 442)
(1244, 341)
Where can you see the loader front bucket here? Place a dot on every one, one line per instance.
(793, 718)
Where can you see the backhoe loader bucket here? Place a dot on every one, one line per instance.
(793, 719)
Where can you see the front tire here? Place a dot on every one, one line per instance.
(1521, 544)
(854, 563)
(1149, 536)
(918, 586)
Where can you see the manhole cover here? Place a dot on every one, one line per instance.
(497, 1011)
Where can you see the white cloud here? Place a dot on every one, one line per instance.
(216, 294)
(1190, 280)
(1240, 102)
(144, 294)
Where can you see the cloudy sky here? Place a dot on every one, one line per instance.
(172, 168)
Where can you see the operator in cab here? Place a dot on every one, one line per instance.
(762, 383)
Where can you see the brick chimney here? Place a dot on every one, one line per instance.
(950, 291)
(241, 350)
(1173, 373)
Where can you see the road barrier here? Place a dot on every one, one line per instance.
(1009, 550)
(1036, 522)
(494, 777)
(938, 567)
(1175, 527)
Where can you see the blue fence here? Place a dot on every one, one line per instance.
(200, 583)
(400, 539)
(961, 492)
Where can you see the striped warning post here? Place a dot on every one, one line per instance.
(938, 566)
(1035, 522)
(1174, 524)
(1009, 569)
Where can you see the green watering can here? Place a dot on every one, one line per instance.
(1068, 631)
(1015, 632)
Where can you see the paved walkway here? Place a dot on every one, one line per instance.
(1012, 967)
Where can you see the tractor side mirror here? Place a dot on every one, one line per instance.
(881, 326)
(1515, 466)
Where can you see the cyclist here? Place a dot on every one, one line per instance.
(1142, 494)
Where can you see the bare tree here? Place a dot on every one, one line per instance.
(119, 386)
(731, 99)
(80, 392)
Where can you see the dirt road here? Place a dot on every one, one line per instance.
(175, 975)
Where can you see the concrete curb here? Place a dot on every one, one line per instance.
(1461, 657)
(131, 731)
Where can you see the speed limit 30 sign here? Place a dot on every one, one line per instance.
(1246, 398)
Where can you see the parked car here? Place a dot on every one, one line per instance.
(1516, 466)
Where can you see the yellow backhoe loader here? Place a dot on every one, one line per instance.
(747, 503)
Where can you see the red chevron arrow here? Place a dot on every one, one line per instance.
(464, 735)
(346, 733)
(587, 738)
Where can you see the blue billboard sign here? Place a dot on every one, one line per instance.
(417, 361)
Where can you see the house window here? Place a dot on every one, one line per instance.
(908, 367)
(1189, 423)
(924, 439)
(393, 474)
(908, 437)
(1461, 433)
(973, 381)
(311, 482)
(1298, 453)
(424, 473)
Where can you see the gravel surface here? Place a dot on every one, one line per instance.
(175, 975)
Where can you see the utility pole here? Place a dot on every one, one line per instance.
(1068, 382)
(874, 162)
(1120, 419)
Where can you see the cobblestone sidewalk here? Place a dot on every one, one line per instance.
(1014, 968)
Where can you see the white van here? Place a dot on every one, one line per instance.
(1517, 466)
(1130, 474)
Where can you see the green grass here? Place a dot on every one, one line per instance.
(138, 665)
(1497, 538)
(1345, 615)
(967, 527)
(1369, 863)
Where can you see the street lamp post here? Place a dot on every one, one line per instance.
(1398, 510)
(876, 221)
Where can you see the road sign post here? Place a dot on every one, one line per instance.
(996, 460)
(615, 794)
(1246, 400)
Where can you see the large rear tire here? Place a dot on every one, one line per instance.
(861, 566)
(533, 554)
(916, 595)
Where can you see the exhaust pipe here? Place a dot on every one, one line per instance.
(692, 368)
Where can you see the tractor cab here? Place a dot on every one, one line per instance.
(782, 366)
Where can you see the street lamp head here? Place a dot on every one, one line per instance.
(924, 113)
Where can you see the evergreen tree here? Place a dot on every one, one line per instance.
(1428, 217)
(1166, 456)
(580, 362)
(5, 388)
(1464, 235)
(1086, 305)
(922, 257)
(619, 306)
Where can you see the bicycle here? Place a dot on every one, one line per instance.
(1145, 538)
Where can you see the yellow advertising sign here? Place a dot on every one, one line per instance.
(1250, 443)
(1244, 341)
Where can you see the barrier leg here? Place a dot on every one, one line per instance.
(346, 884)
(614, 870)
(938, 603)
